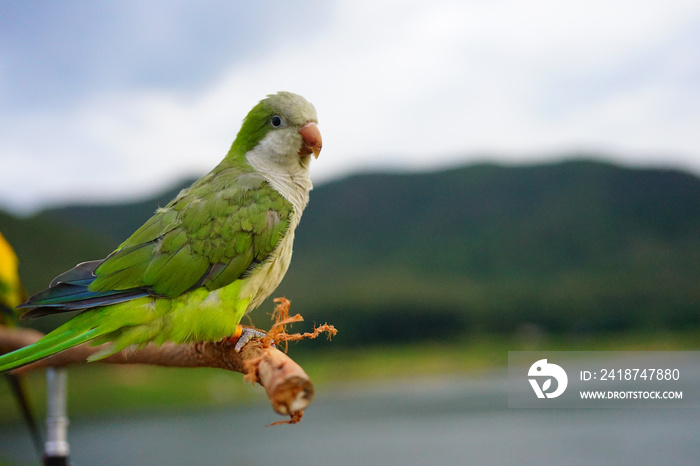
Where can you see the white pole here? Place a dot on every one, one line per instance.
(56, 445)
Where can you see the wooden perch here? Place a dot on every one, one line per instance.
(287, 385)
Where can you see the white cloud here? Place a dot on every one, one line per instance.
(397, 85)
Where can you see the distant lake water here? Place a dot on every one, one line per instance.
(446, 421)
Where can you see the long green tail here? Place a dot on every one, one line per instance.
(70, 334)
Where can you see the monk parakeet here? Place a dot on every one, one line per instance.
(207, 258)
(11, 295)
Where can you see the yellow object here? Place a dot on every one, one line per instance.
(11, 293)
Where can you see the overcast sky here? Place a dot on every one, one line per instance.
(117, 100)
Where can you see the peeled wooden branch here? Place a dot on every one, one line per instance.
(287, 385)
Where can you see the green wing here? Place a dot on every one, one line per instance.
(208, 236)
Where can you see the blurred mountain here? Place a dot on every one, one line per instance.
(47, 248)
(113, 222)
(577, 246)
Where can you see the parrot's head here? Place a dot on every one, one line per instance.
(280, 130)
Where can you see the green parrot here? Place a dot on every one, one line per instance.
(199, 264)
(11, 295)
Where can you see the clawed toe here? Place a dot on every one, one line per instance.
(245, 334)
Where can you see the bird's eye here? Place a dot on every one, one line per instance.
(277, 121)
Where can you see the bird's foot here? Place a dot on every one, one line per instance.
(243, 335)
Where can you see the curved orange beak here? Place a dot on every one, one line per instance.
(312, 140)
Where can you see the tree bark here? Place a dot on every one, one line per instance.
(288, 387)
